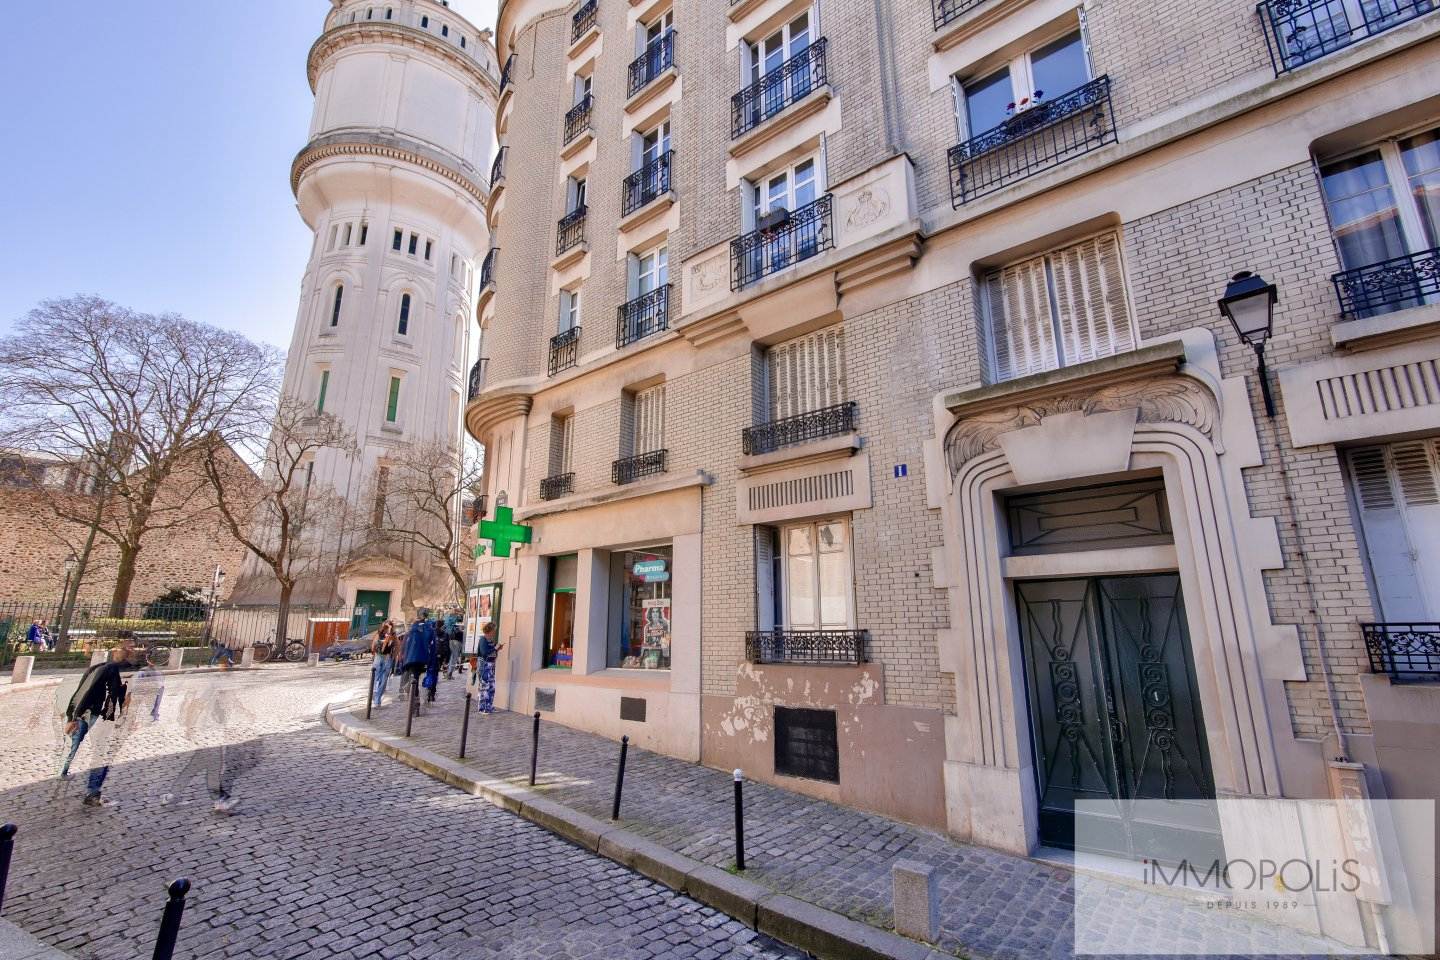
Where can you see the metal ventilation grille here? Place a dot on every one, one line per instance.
(788, 493)
(544, 700)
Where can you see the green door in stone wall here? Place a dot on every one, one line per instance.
(371, 609)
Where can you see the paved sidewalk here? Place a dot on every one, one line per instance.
(993, 905)
(16, 944)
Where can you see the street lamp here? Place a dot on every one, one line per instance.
(62, 616)
(1249, 305)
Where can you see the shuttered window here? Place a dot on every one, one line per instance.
(650, 420)
(562, 438)
(1397, 493)
(1065, 307)
(807, 373)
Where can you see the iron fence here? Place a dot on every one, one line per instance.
(647, 314)
(806, 646)
(477, 378)
(583, 20)
(1033, 140)
(1405, 651)
(1298, 32)
(646, 184)
(507, 74)
(629, 469)
(577, 119)
(658, 57)
(815, 425)
(801, 234)
(1389, 285)
(488, 267)
(564, 350)
(570, 231)
(497, 169)
(947, 10)
(553, 488)
(792, 81)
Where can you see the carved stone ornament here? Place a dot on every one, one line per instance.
(709, 275)
(1174, 399)
(870, 205)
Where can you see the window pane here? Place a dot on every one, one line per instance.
(831, 537)
(987, 100)
(798, 543)
(1422, 165)
(804, 184)
(800, 581)
(799, 33)
(644, 582)
(834, 591)
(1058, 68)
(1362, 211)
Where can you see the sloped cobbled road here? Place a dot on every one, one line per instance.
(333, 853)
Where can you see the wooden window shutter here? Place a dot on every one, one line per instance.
(1090, 300)
(650, 420)
(807, 373)
(1415, 470)
(1022, 333)
(1372, 479)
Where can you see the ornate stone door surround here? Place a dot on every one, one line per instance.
(1161, 408)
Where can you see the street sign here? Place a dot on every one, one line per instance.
(503, 532)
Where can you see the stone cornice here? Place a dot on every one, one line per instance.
(488, 410)
(379, 31)
(375, 144)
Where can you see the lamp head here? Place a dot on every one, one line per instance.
(1249, 305)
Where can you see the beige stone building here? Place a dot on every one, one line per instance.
(858, 370)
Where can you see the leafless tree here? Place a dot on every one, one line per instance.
(425, 489)
(279, 520)
(130, 396)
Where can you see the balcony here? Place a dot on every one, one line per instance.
(584, 20)
(647, 184)
(577, 120)
(947, 10)
(788, 83)
(647, 314)
(783, 239)
(560, 485)
(1300, 31)
(802, 428)
(1044, 136)
(658, 57)
(630, 469)
(488, 269)
(1390, 285)
(507, 74)
(823, 647)
(1404, 651)
(570, 231)
(477, 378)
(497, 169)
(564, 350)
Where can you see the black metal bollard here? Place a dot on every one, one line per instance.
(370, 697)
(414, 704)
(620, 778)
(465, 727)
(170, 922)
(534, 748)
(739, 822)
(7, 846)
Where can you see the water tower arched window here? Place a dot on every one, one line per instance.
(335, 310)
(404, 326)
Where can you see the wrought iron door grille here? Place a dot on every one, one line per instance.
(1300, 31)
(570, 231)
(647, 314)
(487, 267)
(477, 377)
(806, 233)
(577, 120)
(801, 428)
(1405, 651)
(553, 488)
(506, 75)
(793, 80)
(583, 20)
(806, 646)
(658, 57)
(1389, 285)
(564, 350)
(948, 10)
(630, 469)
(497, 169)
(1044, 136)
(646, 184)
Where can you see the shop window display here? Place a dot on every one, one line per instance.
(640, 628)
(560, 634)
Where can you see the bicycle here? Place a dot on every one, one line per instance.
(295, 650)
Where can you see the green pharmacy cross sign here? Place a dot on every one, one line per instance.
(503, 532)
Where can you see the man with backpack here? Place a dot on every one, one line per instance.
(100, 699)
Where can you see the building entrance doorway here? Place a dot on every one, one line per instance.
(1115, 717)
(371, 609)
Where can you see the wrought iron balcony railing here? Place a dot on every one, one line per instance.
(553, 488)
(507, 74)
(947, 10)
(577, 120)
(1389, 285)
(570, 231)
(488, 266)
(584, 19)
(1044, 136)
(795, 236)
(791, 81)
(806, 646)
(647, 314)
(658, 57)
(497, 169)
(1405, 651)
(564, 350)
(1300, 31)
(801, 428)
(646, 184)
(477, 378)
(630, 469)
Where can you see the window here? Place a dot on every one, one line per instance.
(655, 144)
(414, 244)
(575, 194)
(562, 441)
(392, 400)
(569, 310)
(324, 388)
(397, 241)
(389, 13)
(349, 233)
(648, 420)
(788, 189)
(403, 327)
(768, 54)
(1044, 73)
(1396, 489)
(816, 583)
(424, 23)
(382, 483)
(807, 373)
(454, 260)
(462, 41)
(559, 650)
(652, 271)
(429, 248)
(335, 310)
(1065, 307)
(364, 232)
(334, 232)
(444, 30)
(640, 590)
(657, 28)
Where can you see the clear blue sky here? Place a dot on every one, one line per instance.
(148, 155)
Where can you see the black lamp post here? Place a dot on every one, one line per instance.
(1249, 305)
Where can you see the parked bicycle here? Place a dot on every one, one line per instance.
(294, 651)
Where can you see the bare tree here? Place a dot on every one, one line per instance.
(279, 520)
(130, 396)
(425, 488)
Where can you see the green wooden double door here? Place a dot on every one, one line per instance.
(1116, 717)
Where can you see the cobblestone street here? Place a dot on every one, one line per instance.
(333, 852)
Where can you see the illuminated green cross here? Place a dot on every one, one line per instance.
(503, 532)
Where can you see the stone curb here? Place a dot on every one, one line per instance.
(823, 933)
(16, 944)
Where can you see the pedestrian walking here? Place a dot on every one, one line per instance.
(419, 646)
(383, 647)
(94, 707)
(439, 650)
(489, 652)
(209, 714)
(455, 640)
